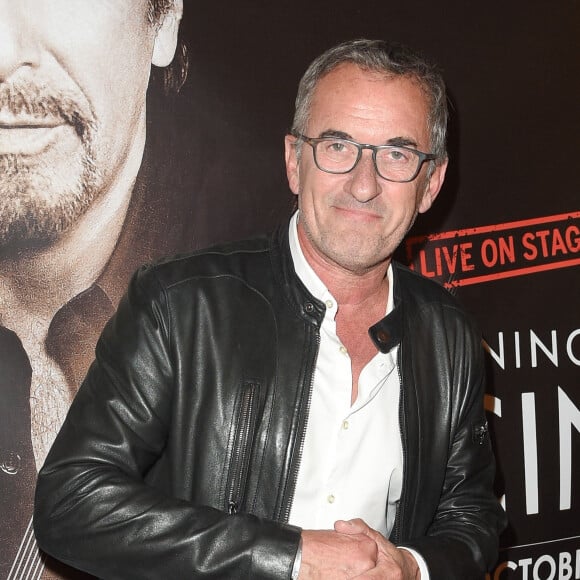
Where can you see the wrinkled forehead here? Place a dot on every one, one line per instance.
(355, 74)
(351, 98)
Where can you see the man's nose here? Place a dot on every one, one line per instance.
(18, 41)
(364, 181)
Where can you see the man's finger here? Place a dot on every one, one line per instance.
(358, 526)
(354, 526)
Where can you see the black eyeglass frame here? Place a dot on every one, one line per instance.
(313, 142)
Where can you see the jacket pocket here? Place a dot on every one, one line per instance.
(245, 420)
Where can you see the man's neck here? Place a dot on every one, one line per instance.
(40, 281)
(348, 288)
(36, 284)
(362, 301)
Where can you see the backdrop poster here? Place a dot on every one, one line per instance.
(504, 234)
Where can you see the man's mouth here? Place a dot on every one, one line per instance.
(356, 214)
(30, 136)
(36, 117)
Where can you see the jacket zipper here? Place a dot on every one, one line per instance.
(395, 534)
(242, 449)
(293, 475)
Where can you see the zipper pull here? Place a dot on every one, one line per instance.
(232, 508)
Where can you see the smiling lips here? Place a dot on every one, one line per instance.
(29, 135)
(358, 214)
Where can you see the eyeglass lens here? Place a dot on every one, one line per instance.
(341, 156)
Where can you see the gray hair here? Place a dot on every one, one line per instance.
(390, 59)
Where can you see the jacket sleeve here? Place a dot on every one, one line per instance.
(455, 518)
(94, 509)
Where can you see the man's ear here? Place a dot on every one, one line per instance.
(166, 35)
(433, 187)
(292, 164)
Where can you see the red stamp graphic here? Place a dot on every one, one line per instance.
(477, 255)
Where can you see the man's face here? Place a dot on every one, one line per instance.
(355, 221)
(73, 81)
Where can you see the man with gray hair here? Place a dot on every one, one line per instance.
(298, 405)
(73, 86)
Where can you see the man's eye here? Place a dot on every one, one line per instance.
(398, 155)
(336, 146)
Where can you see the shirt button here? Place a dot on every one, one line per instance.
(10, 462)
(383, 336)
(343, 350)
(329, 304)
(330, 499)
(345, 424)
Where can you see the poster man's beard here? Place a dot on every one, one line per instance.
(37, 205)
(43, 195)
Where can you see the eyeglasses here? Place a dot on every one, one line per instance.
(392, 162)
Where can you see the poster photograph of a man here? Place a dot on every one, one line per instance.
(73, 84)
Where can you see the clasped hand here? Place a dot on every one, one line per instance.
(353, 550)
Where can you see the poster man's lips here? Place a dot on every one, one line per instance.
(30, 137)
(19, 122)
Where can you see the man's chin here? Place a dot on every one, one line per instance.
(15, 245)
(37, 230)
(39, 202)
(31, 223)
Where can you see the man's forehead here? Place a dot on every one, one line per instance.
(360, 80)
(367, 97)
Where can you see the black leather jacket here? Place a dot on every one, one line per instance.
(179, 455)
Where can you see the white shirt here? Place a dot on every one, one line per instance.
(352, 459)
(348, 447)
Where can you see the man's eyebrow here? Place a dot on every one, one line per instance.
(402, 142)
(394, 141)
(334, 133)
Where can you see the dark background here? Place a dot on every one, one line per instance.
(511, 67)
(513, 79)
